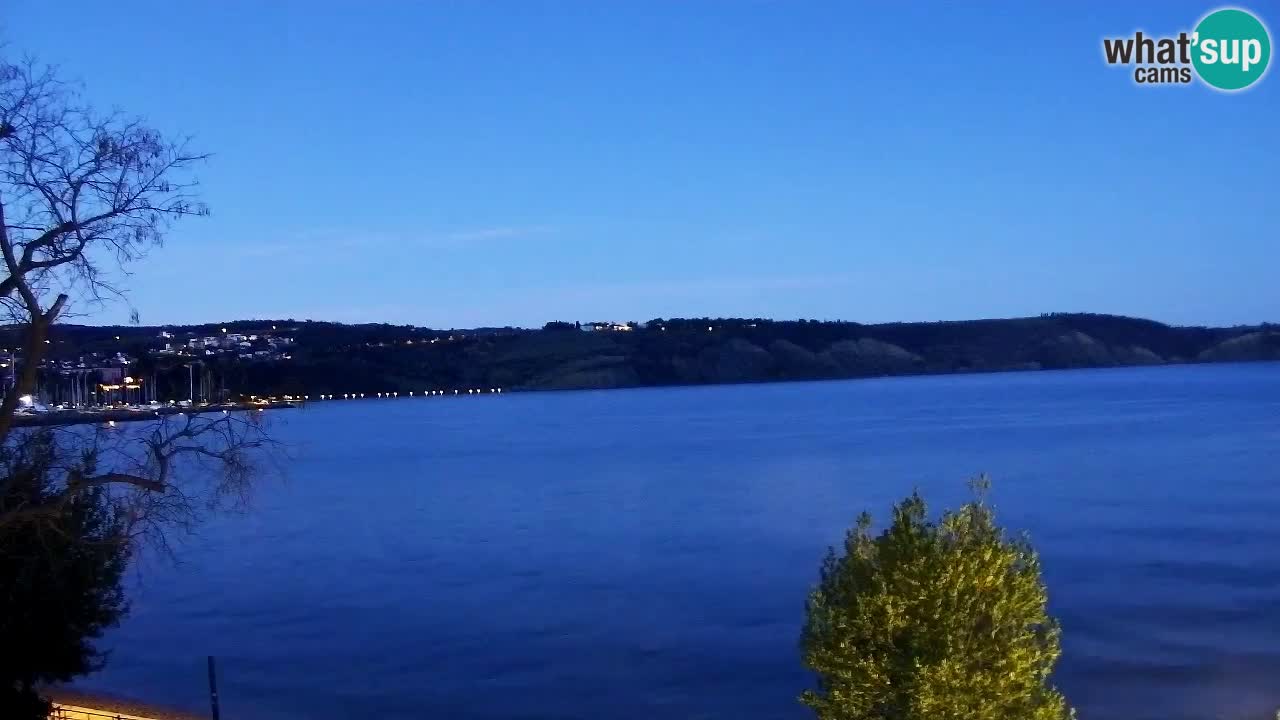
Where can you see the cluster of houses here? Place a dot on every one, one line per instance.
(609, 326)
(101, 378)
(246, 347)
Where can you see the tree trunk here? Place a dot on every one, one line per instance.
(33, 350)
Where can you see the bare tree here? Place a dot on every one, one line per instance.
(78, 191)
(82, 195)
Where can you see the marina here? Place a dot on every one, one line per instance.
(35, 415)
(113, 415)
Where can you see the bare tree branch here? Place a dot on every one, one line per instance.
(163, 475)
(80, 192)
(78, 482)
(83, 194)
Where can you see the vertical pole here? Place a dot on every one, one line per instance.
(213, 688)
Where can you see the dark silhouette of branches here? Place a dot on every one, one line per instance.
(163, 475)
(81, 193)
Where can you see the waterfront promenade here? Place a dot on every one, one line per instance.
(112, 415)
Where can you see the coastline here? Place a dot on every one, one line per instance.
(71, 704)
(114, 415)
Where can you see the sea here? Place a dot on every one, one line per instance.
(647, 553)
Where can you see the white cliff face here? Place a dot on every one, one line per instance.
(868, 355)
(796, 361)
(742, 361)
(1137, 355)
(1261, 345)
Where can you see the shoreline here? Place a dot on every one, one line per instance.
(878, 377)
(74, 704)
(55, 418)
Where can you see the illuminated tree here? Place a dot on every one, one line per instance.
(932, 621)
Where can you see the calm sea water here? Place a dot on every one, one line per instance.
(646, 553)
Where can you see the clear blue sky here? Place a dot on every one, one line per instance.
(489, 163)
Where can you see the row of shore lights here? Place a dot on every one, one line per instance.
(425, 393)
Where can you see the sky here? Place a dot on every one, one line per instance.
(459, 164)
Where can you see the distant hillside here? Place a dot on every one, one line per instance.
(336, 358)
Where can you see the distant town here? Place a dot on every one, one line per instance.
(112, 378)
(73, 378)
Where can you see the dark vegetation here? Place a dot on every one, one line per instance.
(335, 358)
(62, 556)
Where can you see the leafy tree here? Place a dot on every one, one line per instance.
(62, 558)
(932, 621)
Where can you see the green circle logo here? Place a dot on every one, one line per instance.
(1231, 49)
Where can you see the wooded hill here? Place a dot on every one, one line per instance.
(338, 358)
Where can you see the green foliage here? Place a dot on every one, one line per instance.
(62, 557)
(932, 621)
